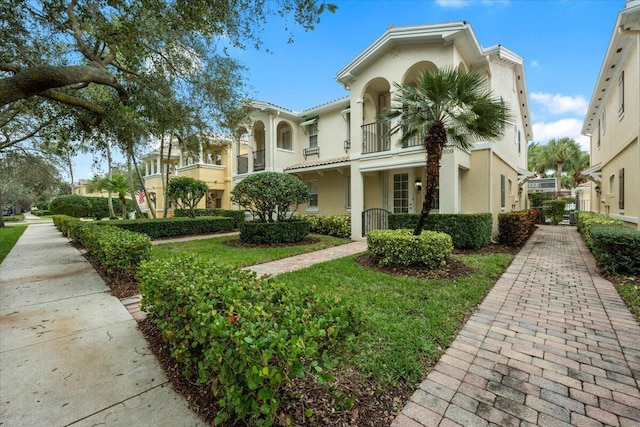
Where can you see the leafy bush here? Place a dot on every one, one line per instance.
(616, 248)
(245, 337)
(468, 231)
(238, 216)
(40, 212)
(330, 225)
(172, 227)
(584, 221)
(400, 247)
(516, 227)
(120, 251)
(555, 210)
(100, 207)
(274, 232)
(13, 218)
(270, 196)
(64, 223)
(537, 198)
(70, 205)
(186, 192)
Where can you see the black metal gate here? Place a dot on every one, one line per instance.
(374, 219)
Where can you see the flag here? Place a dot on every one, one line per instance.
(141, 195)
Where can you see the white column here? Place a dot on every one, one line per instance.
(200, 152)
(357, 200)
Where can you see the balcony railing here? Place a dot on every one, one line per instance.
(311, 151)
(243, 163)
(258, 160)
(414, 141)
(375, 137)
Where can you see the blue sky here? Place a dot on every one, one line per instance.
(562, 42)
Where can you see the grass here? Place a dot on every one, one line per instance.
(408, 322)
(216, 248)
(8, 238)
(629, 289)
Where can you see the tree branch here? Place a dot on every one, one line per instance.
(34, 80)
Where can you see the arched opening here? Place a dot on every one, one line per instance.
(258, 146)
(376, 98)
(413, 73)
(285, 136)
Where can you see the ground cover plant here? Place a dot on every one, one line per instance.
(8, 238)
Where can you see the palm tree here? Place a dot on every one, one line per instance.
(445, 107)
(538, 160)
(560, 151)
(120, 185)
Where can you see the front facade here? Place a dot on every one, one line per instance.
(351, 166)
(613, 124)
(210, 164)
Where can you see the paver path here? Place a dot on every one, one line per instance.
(552, 344)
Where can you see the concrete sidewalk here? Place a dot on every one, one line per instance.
(70, 353)
(552, 344)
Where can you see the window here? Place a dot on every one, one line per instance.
(603, 125)
(509, 187)
(598, 131)
(612, 179)
(519, 142)
(216, 157)
(347, 192)
(313, 190)
(284, 136)
(621, 95)
(313, 135)
(401, 193)
(503, 197)
(214, 199)
(348, 138)
(621, 189)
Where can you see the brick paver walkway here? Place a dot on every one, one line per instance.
(552, 344)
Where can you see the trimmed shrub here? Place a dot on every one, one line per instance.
(39, 212)
(13, 218)
(245, 337)
(70, 205)
(616, 248)
(172, 227)
(400, 247)
(554, 209)
(274, 232)
(584, 221)
(64, 223)
(100, 207)
(468, 231)
(330, 225)
(537, 198)
(119, 251)
(238, 216)
(516, 227)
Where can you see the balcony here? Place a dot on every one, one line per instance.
(414, 141)
(258, 160)
(311, 151)
(375, 137)
(243, 163)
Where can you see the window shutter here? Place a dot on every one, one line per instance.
(621, 188)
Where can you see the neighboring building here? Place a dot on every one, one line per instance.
(542, 184)
(613, 123)
(81, 188)
(349, 165)
(210, 164)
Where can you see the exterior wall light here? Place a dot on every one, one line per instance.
(597, 189)
(418, 184)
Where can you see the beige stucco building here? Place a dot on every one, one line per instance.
(613, 123)
(349, 164)
(210, 163)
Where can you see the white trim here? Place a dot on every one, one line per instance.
(309, 122)
(631, 219)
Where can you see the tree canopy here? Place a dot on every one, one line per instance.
(186, 192)
(563, 156)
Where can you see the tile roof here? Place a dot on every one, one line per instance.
(317, 163)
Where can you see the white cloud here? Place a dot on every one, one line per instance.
(543, 132)
(560, 104)
(535, 64)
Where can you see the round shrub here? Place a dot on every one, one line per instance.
(274, 232)
(400, 247)
(71, 205)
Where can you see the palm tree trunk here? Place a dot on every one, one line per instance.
(434, 142)
(559, 176)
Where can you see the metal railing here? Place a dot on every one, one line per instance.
(375, 137)
(243, 163)
(311, 151)
(374, 219)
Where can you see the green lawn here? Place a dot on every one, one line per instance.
(9, 235)
(408, 322)
(215, 248)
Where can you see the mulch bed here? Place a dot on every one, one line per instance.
(372, 406)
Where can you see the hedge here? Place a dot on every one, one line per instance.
(431, 249)
(100, 207)
(584, 221)
(238, 216)
(554, 209)
(119, 251)
(64, 223)
(516, 227)
(274, 232)
(616, 248)
(468, 231)
(245, 337)
(331, 225)
(70, 205)
(172, 227)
